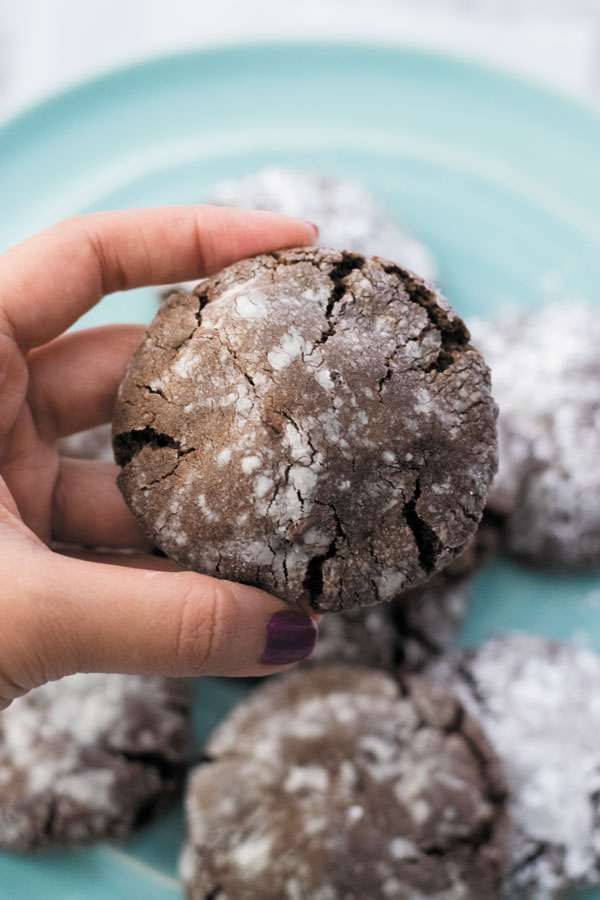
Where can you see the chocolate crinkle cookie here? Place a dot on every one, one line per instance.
(90, 757)
(312, 422)
(538, 703)
(345, 784)
(348, 217)
(546, 379)
(408, 632)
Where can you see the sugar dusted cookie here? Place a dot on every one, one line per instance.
(90, 757)
(408, 633)
(346, 784)
(312, 422)
(538, 703)
(347, 215)
(546, 380)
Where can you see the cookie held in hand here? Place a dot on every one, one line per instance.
(312, 422)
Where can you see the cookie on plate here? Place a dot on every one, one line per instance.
(90, 757)
(344, 783)
(412, 630)
(408, 632)
(546, 380)
(538, 703)
(312, 422)
(347, 215)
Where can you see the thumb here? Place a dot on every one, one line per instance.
(112, 618)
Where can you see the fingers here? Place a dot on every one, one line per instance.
(8, 507)
(13, 382)
(74, 379)
(31, 651)
(30, 468)
(50, 280)
(118, 619)
(88, 507)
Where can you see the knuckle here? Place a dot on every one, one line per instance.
(100, 250)
(26, 648)
(9, 689)
(205, 625)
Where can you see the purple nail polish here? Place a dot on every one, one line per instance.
(291, 636)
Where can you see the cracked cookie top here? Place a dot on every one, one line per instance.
(89, 757)
(345, 784)
(539, 704)
(313, 422)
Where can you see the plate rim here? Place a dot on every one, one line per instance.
(23, 115)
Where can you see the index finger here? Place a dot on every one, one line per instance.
(50, 280)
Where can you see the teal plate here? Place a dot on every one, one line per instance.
(499, 178)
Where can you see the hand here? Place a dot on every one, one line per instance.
(61, 614)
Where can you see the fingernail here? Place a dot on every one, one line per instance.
(291, 636)
(314, 227)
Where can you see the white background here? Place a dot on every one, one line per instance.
(48, 44)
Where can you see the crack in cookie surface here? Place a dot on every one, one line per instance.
(312, 436)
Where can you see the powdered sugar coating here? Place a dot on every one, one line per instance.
(546, 380)
(408, 632)
(539, 705)
(241, 460)
(343, 783)
(347, 215)
(88, 757)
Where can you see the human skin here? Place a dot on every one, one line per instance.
(62, 613)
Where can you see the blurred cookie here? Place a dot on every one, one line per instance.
(347, 215)
(408, 632)
(538, 703)
(312, 422)
(546, 380)
(427, 618)
(95, 443)
(411, 630)
(346, 784)
(90, 757)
